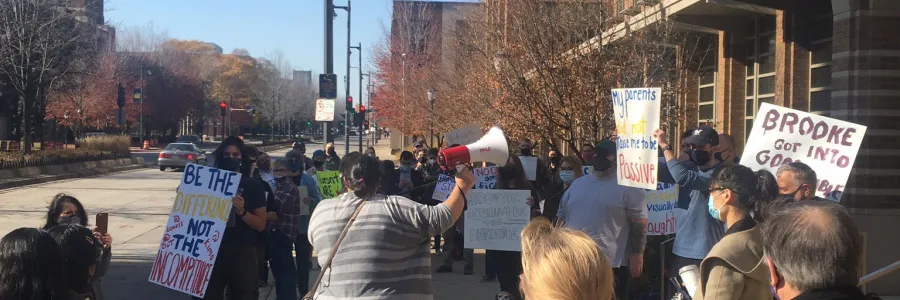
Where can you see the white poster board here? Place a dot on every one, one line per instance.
(465, 135)
(304, 208)
(190, 244)
(324, 110)
(529, 163)
(495, 219)
(661, 205)
(782, 135)
(443, 188)
(486, 178)
(637, 116)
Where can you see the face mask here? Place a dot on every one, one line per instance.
(432, 161)
(713, 211)
(587, 157)
(73, 219)
(700, 157)
(230, 164)
(719, 157)
(263, 165)
(792, 194)
(331, 152)
(567, 176)
(422, 160)
(525, 151)
(279, 176)
(555, 160)
(318, 164)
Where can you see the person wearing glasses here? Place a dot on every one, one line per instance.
(734, 267)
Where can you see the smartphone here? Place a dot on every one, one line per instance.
(102, 222)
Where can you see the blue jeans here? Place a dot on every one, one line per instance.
(304, 264)
(281, 262)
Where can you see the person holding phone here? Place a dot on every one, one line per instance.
(236, 267)
(65, 209)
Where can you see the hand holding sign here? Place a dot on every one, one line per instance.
(238, 202)
(662, 138)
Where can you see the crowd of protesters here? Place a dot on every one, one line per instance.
(760, 236)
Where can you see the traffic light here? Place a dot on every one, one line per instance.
(224, 107)
(349, 102)
(308, 123)
(362, 109)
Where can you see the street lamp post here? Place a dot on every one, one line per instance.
(430, 94)
(347, 82)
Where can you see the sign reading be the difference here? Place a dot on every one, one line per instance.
(190, 244)
(637, 116)
(783, 135)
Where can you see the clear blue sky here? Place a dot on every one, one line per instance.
(261, 26)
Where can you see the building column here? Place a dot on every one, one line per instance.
(865, 88)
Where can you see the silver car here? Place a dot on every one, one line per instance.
(178, 155)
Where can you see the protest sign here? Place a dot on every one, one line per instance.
(529, 163)
(661, 205)
(329, 183)
(587, 170)
(637, 116)
(486, 178)
(445, 185)
(304, 192)
(495, 218)
(190, 244)
(783, 135)
(464, 136)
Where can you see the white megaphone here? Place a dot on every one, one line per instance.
(492, 148)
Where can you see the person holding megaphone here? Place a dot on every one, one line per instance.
(391, 227)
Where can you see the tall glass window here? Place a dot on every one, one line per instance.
(820, 63)
(706, 105)
(760, 82)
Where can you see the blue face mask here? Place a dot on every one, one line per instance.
(713, 211)
(567, 176)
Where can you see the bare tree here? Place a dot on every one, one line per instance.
(40, 42)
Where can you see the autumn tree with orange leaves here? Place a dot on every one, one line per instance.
(536, 69)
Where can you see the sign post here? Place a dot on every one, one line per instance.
(637, 116)
(782, 135)
(324, 110)
(327, 82)
(190, 243)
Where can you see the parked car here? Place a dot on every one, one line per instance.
(178, 155)
(193, 139)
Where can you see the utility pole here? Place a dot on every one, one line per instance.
(347, 83)
(359, 67)
(329, 55)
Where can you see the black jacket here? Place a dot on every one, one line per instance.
(846, 293)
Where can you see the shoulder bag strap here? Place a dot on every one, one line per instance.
(334, 249)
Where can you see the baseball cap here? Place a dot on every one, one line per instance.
(298, 145)
(607, 145)
(702, 136)
(319, 153)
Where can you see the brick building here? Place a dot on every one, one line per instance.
(838, 58)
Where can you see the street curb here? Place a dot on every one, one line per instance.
(83, 174)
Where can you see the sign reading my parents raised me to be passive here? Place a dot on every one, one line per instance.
(190, 244)
(637, 116)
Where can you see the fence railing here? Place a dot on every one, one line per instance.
(58, 160)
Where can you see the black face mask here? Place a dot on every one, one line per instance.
(719, 157)
(230, 164)
(318, 164)
(555, 160)
(73, 219)
(699, 157)
(525, 151)
(421, 160)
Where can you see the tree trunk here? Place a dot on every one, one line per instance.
(26, 125)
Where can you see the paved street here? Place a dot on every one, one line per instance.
(138, 203)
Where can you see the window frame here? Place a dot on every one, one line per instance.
(813, 66)
(754, 39)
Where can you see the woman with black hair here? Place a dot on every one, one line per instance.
(80, 254)
(388, 178)
(30, 265)
(236, 267)
(734, 268)
(408, 178)
(508, 264)
(385, 254)
(65, 209)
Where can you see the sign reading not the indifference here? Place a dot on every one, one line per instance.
(637, 116)
(782, 135)
(190, 244)
(495, 219)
